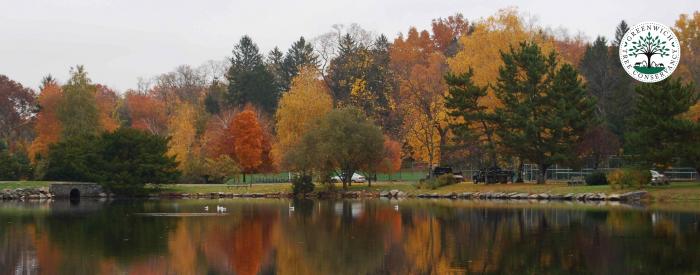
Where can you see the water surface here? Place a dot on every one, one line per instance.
(259, 236)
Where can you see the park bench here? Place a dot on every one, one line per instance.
(576, 180)
(233, 183)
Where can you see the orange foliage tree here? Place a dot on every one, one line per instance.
(47, 127)
(248, 143)
(107, 100)
(147, 113)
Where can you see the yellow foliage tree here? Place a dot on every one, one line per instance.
(307, 100)
(481, 50)
(182, 131)
(688, 31)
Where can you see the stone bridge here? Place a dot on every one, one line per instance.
(75, 189)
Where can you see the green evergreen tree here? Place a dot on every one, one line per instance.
(301, 54)
(471, 122)
(659, 133)
(77, 110)
(249, 79)
(623, 96)
(545, 108)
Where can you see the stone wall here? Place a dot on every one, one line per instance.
(64, 189)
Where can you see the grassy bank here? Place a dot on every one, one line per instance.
(677, 191)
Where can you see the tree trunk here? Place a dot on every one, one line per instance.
(648, 60)
(542, 177)
(519, 175)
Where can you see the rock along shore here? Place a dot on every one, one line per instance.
(44, 194)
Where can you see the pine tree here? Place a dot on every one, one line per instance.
(623, 96)
(300, 55)
(249, 79)
(471, 122)
(545, 109)
(659, 132)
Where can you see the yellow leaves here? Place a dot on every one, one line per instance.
(694, 112)
(307, 101)
(182, 133)
(481, 50)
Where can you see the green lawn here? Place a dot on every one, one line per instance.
(22, 184)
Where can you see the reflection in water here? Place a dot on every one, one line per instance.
(343, 237)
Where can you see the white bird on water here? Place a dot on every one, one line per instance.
(206, 208)
(220, 209)
(291, 207)
(396, 207)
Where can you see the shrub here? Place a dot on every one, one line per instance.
(14, 166)
(124, 160)
(434, 183)
(596, 178)
(628, 178)
(302, 185)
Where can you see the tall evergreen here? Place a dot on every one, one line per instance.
(249, 79)
(301, 54)
(658, 131)
(472, 123)
(545, 108)
(623, 96)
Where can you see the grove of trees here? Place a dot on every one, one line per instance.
(491, 91)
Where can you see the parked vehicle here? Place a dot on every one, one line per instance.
(355, 178)
(442, 170)
(658, 178)
(493, 175)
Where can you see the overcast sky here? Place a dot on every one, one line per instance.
(119, 41)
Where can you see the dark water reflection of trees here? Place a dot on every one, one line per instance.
(344, 237)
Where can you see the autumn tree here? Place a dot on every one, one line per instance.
(598, 143)
(47, 128)
(78, 110)
(306, 102)
(17, 105)
(249, 80)
(248, 140)
(182, 133)
(146, 113)
(425, 117)
(391, 160)
(500, 31)
(107, 101)
(447, 31)
(545, 109)
(687, 28)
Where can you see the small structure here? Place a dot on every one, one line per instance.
(75, 190)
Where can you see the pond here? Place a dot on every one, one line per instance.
(258, 236)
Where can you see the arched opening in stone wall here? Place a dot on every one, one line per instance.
(75, 194)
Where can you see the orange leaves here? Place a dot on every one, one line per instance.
(248, 143)
(147, 113)
(48, 127)
(392, 156)
(107, 104)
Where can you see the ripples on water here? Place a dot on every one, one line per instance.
(344, 237)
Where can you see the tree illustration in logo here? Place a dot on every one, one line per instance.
(649, 46)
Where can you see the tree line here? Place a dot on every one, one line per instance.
(493, 91)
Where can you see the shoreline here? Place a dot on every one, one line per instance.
(630, 196)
